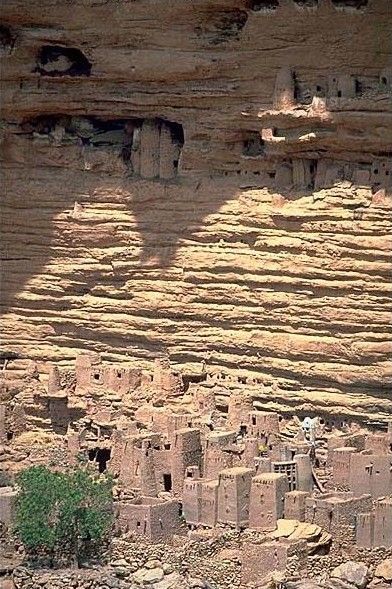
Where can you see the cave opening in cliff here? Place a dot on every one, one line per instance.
(101, 456)
(253, 145)
(177, 133)
(55, 60)
(358, 4)
(7, 38)
(306, 3)
(229, 25)
(260, 5)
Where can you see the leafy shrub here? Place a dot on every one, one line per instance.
(62, 513)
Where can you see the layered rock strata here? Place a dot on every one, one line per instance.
(210, 180)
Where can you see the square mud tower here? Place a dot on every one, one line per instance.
(336, 513)
(3, 428)
(233, 496)
(383, 523)
(289, 468)
(185, 451)
(364, 530)
(191, 496)
(341, 464)
(209, 503)
(154, 519)
(239, 409)
(7, 505)
(374, 529)
(304, 474)
(371, 473)
(166, 381)
(216, 456)
(295, 505)
(267, 500)
(263, 423)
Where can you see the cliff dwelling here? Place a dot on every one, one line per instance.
(196, 294)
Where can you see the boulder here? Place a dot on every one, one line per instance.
(305, 531)
(153, 564)
(171, 581)
(121, 562)
(167, 568)
(285, 528)
(384, 570)
(356, 573)
(153, 575)
(196, 583)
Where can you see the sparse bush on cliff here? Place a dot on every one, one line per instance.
(61, 514)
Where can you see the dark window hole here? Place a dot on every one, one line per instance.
(167, 482)
(101, 456)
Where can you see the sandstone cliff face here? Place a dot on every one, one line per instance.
(207, 179)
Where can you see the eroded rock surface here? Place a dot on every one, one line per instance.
(207, 179)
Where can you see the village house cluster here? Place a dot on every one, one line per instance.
(184, 464)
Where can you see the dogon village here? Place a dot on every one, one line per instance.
(196, 281)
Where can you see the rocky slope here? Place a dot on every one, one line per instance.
(209, 179)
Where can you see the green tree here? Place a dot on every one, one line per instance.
(63, 513)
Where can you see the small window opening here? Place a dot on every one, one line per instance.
(254, 420)
(101, 456)
(167, 446)
(167, 482)
(96, 376)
